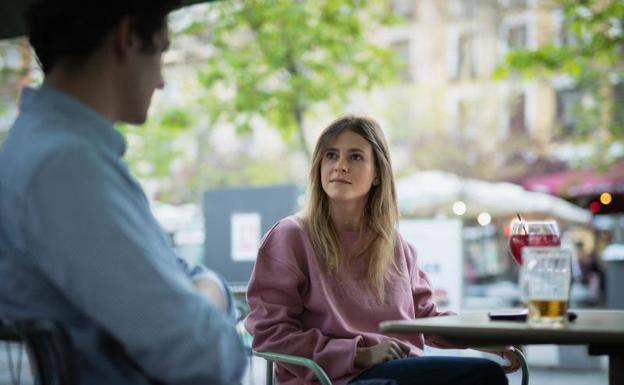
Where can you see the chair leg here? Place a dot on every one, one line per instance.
(269, 372)
(523, 364)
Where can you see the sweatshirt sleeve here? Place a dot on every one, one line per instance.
(422, 293)
(275, 301)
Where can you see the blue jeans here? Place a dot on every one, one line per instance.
(437, 371)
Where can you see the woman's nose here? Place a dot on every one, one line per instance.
(341, 166)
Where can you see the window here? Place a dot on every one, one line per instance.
(517, 116)
(517, 37)
(464, 9)
(466, 67)
(566, 35)
(517, 3)
(514, 3)
(466, 119)
(402, 49)
(404, 8)
(567, 103)
(469, 8)
(618, 107)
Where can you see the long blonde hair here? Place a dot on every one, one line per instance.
(380, 215)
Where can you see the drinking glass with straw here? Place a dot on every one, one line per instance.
(541, 233)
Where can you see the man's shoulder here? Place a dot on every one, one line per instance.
(32, 143)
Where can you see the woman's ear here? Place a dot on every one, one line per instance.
(376, 181)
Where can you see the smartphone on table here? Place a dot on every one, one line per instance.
(518, 315)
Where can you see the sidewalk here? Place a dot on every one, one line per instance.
(557, 376)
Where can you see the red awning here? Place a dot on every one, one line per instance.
(576, 183)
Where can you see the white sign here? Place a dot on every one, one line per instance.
(438, 245)
(245, 236)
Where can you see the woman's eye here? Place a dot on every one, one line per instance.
(356, 157)
(330, 155)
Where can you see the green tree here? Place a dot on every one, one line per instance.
(278, 59)
(269, 62)
(592, 53)
(154, 145)
(16, 70)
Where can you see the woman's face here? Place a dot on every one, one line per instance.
(348, 168)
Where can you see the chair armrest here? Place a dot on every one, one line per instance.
(49, 348)
(296, 360)
(521, 358)
(324, 379)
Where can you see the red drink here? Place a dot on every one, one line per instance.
(518, 241)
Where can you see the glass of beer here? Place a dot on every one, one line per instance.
(546, 276)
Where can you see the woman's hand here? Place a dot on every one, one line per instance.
(514, 362)
(388, 350)
(507, 354)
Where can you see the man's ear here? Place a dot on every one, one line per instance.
(124, 37)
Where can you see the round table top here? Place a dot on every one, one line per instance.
(592, 327)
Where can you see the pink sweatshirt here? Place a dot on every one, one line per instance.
(297, 309)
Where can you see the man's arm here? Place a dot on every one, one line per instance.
(212, 286)
(96, 240)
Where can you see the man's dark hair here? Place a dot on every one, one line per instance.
(73, 29)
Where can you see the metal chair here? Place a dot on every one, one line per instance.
(272, 357)
(323, 379)
(48, 346)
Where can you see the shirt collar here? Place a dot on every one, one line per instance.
(84, 120)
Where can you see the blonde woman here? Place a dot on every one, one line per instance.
(326, 278)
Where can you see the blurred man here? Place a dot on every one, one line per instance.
(78, 243)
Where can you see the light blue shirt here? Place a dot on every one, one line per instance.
(78, 244)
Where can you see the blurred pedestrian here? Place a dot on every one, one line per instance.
(592, 275)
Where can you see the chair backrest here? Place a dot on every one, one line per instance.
(49, 349)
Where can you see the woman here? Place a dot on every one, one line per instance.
(325, 279)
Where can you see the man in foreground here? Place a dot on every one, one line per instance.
(78, 243)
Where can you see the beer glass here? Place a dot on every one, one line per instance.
(546, 276)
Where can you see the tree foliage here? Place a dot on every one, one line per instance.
(16, 71)
(279, 58)
(593, 37)
(591, 51)
(153, 144)
(269, 61)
